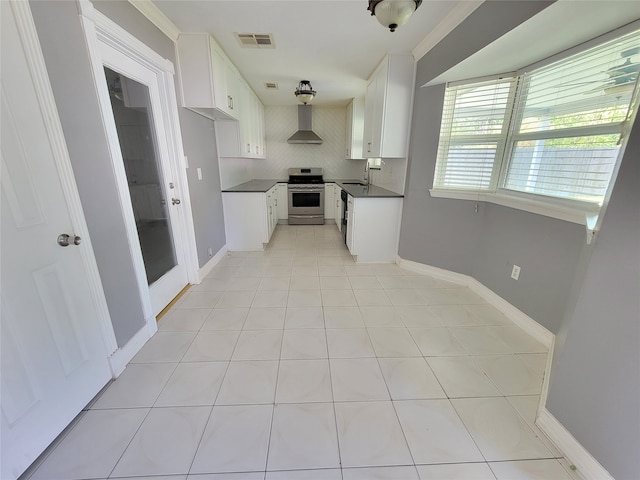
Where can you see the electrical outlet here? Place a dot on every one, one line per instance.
(515, 272)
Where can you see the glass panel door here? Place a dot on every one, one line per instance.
(133, 117)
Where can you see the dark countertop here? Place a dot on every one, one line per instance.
(362, 191)
(356, 191)
(256, 186)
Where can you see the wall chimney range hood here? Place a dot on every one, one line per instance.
(304, 133)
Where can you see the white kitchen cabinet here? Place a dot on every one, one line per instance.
(373, 228)
(207, 76)
(329, 208)
(255, 121)
(337, 206)
(355, 129)
(283, 201)
(244, 138)
(272, 209)
(388, 108)
(350, 223)
(212, 86)
(250, 219)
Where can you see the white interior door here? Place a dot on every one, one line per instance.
(146, 173)
(53, 349)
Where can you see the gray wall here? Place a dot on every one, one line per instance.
(595, 381)
(448, 233)
(206, 198)
(67, 60)
(197, 135)
(545, 248)
(439, 232)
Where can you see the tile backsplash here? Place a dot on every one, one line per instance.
(329, 123)
(392, 174)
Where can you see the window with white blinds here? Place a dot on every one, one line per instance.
(472, 134)
(557, 135)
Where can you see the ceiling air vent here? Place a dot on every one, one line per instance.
(255, 40)
(271, 85)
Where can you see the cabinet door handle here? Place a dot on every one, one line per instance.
(369, 147)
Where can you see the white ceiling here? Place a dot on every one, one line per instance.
(336, 44)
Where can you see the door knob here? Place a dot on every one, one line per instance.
(175, 201)
(64, 240)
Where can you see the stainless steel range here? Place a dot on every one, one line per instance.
(306, 196)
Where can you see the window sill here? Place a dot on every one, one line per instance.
(581, 216)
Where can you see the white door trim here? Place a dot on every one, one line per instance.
(35, 59)
(101, 30)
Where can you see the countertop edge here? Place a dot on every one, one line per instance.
(356, 191)
(253, 186)
(374, 191)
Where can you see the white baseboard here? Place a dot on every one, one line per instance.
(207, 267)
(587, 467)
(524, 321)
(121, 357)
(439, 273)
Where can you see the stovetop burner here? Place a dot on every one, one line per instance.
(305, 175)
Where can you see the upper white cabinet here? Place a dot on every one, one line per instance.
(245, 137)
(388, 108)
(207, 76)
(355, 129)
(212, 86)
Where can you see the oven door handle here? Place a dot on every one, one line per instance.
(305, 190)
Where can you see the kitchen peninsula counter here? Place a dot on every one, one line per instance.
(364, 191)
(256, 185)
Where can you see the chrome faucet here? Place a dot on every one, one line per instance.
(367, 174)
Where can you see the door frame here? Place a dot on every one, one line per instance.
(35, 60)
(99, 29)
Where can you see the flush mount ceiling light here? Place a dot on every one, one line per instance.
(393, 13)
(305, 92)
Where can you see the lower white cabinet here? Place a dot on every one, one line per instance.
(329, 210)
(250, 218)
(350, 223)
(373, 228)
(283, 201)
(272, 210)
(337, 206)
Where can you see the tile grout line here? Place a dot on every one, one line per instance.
(209, 417)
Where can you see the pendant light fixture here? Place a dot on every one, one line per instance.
(305, 92)
(393, 13)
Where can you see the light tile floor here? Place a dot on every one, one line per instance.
(297, 363)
